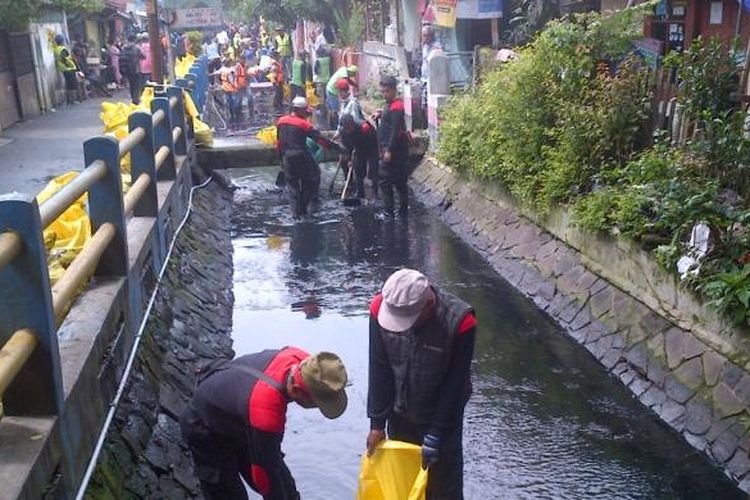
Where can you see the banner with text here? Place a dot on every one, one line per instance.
(445, 13)
(197, 18)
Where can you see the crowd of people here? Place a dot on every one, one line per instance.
(374, 147)
(125, 61)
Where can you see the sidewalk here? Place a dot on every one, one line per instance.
(35, 151)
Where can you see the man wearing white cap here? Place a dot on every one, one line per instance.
(300, 168)
(421, 346)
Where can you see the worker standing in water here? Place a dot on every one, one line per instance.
(300, 169)
(393, 142)
(421, 346)
(234, 424)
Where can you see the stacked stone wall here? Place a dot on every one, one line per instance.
(143, 455)
(694, 380)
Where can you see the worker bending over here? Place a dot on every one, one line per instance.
(421, 345)
(234, 424)
(297, 161)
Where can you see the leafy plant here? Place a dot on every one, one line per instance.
(730, 293)
(351, 27)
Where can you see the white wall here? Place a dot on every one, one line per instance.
(50, 83)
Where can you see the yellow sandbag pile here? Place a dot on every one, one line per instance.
(393, 471)
(65, 237)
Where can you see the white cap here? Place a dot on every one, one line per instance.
(299, 102)
(405, 295)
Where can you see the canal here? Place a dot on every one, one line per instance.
(545, 420)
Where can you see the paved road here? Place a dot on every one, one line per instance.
(35, 151)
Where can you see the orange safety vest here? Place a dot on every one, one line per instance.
(241, 73)
(226, 84)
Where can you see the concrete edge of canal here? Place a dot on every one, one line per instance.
(143, 455)
(697, 383)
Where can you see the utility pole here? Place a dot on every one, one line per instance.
(157, 70)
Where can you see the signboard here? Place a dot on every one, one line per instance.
(650, 49)
(197, 18)
(480, 9)
(445, 13)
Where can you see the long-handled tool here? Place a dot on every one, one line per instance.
(333, 181)
(349, 202)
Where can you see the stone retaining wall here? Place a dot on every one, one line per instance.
(143, 456)
(696, 386)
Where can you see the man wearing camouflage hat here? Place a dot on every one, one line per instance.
(235, 422)
(421, 346)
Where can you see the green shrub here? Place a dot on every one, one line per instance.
(547, 124)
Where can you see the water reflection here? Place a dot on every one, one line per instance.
(546, 421)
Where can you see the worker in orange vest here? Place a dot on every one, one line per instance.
(228, 78)
(243, 85)
(278, 83)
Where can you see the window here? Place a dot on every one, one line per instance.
(716, 15)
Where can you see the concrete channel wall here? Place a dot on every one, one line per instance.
(51, 454)
(143, 455)
(678, 358)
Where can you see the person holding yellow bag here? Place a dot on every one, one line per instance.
(421, 346)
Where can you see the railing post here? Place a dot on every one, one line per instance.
(142, 162)
(106, 205)
(163, 137)
(26, 302)
(198, 87)
(178, 119)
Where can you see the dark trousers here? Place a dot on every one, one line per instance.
(297, 91)
(278, 97)
(219, 461)
(233, 100)
(302, 181)
(135, 84)
(393, 176)
(365, 164)
(446, 478)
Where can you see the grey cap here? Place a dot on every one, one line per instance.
(405, 294)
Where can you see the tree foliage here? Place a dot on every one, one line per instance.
(281, 12)
(16, 14)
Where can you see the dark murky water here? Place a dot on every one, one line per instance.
(545, 420)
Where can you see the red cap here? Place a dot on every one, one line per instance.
(342, 84)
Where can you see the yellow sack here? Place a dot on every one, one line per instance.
(204, 136)
(312, 100)
(67, 235)
(190, 108)
(182, 66)
(393, 472)
(268, 135)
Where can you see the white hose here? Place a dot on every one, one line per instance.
(131, 358)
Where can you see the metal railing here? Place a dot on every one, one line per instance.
(30, 375)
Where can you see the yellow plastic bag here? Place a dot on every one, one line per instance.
(67, 235)
(204, 136)
(312, 100)
(182, 66)
(190, 108)
(393, 472)
(268, 135)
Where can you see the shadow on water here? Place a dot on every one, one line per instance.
(545, 421)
